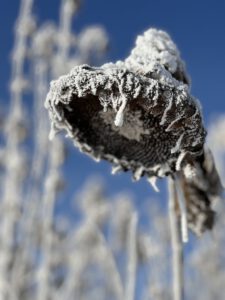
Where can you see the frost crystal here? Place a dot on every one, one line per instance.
(137, 114)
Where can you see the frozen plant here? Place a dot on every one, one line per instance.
(108, 252)
(139, 114)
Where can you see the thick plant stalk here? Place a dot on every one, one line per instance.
(176, 243)
(183, 212)
(132, 258)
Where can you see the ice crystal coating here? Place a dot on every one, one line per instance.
(139, 115)
(131, 120)
(156, 55)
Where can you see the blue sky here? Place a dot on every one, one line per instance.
(197, 27)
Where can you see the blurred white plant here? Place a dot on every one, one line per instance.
(216, 141)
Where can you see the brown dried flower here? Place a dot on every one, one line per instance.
(137, 114)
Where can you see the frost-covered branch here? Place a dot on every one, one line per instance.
(14, 156)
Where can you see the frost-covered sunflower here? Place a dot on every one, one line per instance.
(139, 115)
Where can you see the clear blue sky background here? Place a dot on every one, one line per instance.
(197, 27)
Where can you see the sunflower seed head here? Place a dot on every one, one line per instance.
(140, 116)
(137, 114)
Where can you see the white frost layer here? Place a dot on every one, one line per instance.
(155, 52)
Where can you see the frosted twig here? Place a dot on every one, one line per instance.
(65, 37)
(83, 236)
(15, 162)
(51, 186)
(216, 141)
(110, 263)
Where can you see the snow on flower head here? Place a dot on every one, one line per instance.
(137, 114)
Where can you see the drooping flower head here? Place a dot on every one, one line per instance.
(138, 113)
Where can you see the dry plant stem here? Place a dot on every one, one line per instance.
(132, 258)
(64, 41)
(37, 171)
(183, 210)
(176, 243)
(48, 202)
(51, 186)
(66, 16)
(12, 185)
(111, 265)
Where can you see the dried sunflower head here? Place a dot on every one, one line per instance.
(137, 114)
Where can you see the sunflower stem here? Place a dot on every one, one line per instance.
(183, 210)
(176, 244)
